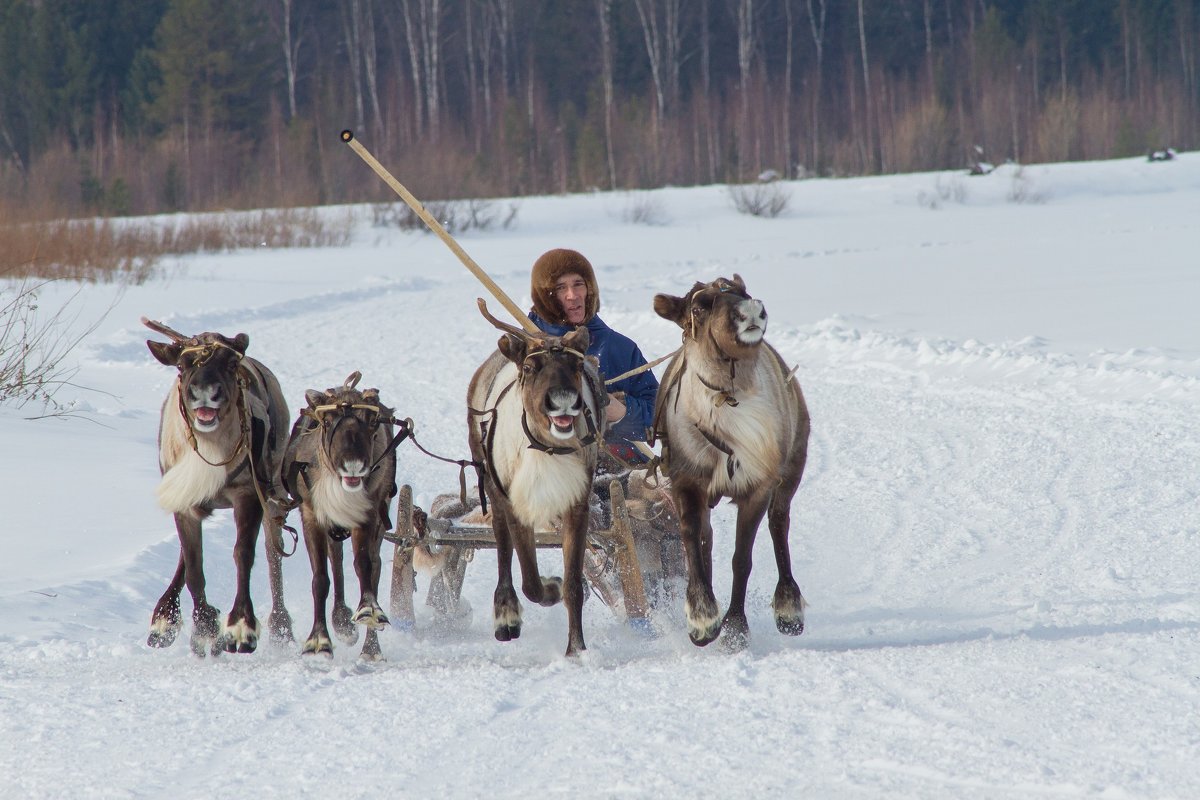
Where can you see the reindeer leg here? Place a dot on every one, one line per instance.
(316, 541)
(573, 546)
(204, 616)
(735, 626)
(164, 622)
(373, 542)
(343, 627)
(371, 650)
(506, 608)
(240, 633)
(366, 567)
(788, 604)
(543, 591)
(700, 605)
(280, 622)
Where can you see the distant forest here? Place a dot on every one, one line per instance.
(118, 107)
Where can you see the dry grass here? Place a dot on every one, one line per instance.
(130, 250)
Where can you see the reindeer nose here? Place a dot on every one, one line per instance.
(562, 400)
(210, 393)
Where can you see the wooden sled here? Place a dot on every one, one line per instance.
(611, 565)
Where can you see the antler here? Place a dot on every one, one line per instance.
(352, 380)
(170, 333)
(504, 326)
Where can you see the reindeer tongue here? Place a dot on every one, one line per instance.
(205, 414)
(563, 422)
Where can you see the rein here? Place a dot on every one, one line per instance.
(488, 431)
(244, 437)
(381, 417)
(207, 351)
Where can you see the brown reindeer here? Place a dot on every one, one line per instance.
(734, 424)
(536, 410)
(341, 465)
(220, 443)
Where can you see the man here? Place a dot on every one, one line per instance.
(565, 295)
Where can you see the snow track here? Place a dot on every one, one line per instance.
(997, 538)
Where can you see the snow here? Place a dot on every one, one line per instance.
(997, 531)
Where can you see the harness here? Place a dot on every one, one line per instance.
(723, 396)
(488, 431)
(251, 437)
(320, 415)
(326, 418)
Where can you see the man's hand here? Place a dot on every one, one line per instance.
(615, 411)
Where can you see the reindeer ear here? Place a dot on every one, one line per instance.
(314, 398)
(670, 308)
(241, 342)
(513, 348)
(165, 353)
(739, 283)
(578, 339)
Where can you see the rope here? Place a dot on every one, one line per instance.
(642, 368)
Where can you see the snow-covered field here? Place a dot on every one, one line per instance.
(998, 533)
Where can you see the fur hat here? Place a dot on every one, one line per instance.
(547, 271)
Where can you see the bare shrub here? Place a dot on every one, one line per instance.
(642, 208)
(760, 199)
(1022, 189)
(33, 346)
(944, 191)
(456, 216)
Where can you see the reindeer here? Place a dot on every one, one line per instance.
(734, 424)
(535, 413)
(341, 465)
(221, 438)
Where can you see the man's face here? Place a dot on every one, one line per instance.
(571, 291)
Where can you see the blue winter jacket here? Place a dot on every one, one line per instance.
(617, 354)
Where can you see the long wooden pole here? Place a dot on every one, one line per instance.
(436, 227)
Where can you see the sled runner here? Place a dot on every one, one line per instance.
(631, 559)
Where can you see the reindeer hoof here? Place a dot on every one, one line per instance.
(789, 610)
(280, 625)
(703, 620)
(552, 591)
(735, 635)
(162, 638)
(506, 633)
(317, 645)
(370, 616)
(200, 646)
(231, 644)
(343, 625)
(238, 637)
(371, 650)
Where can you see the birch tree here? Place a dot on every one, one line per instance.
(603, 10)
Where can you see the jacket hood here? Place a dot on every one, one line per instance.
(547, 270)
